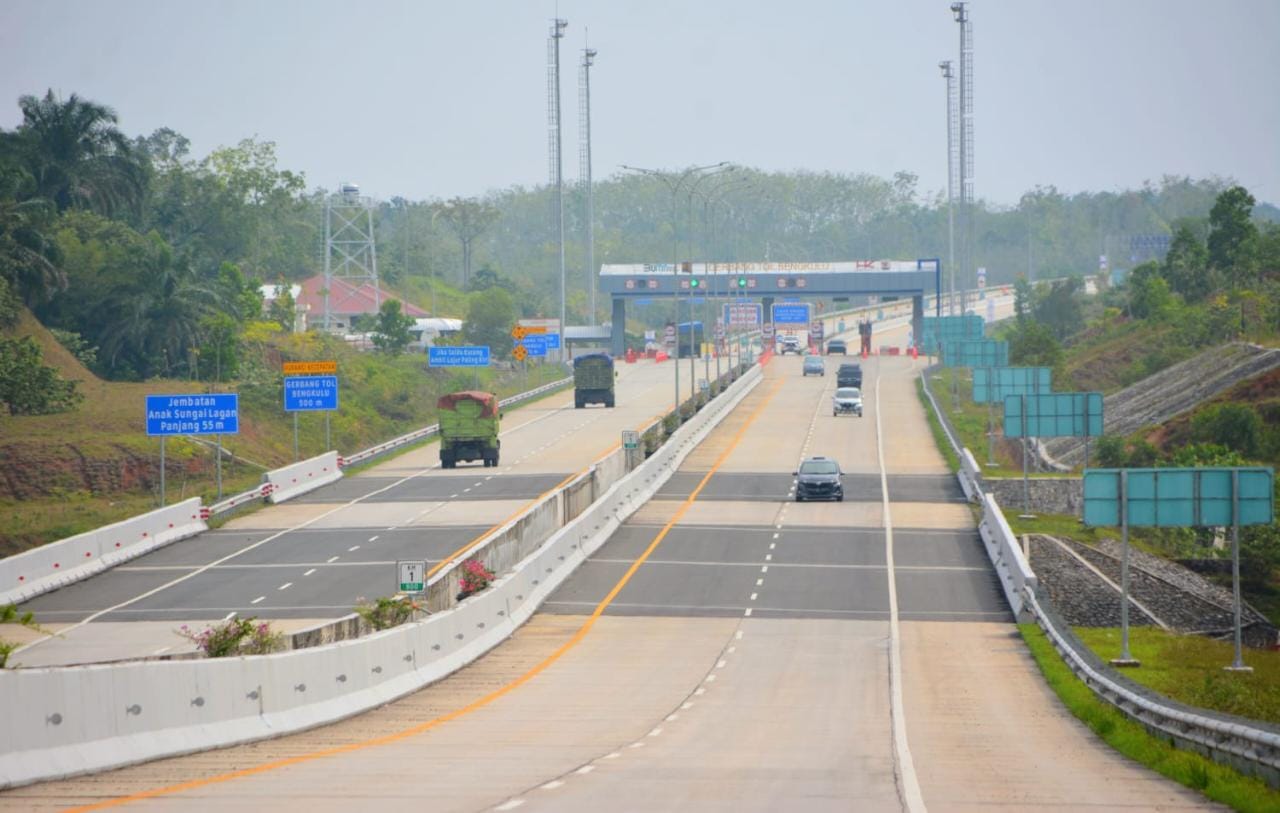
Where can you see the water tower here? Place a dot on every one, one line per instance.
(349, 251)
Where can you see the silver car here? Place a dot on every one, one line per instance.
(847, 400)
(813, 365)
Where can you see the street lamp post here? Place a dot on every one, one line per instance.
(674, 184)
(709, 199)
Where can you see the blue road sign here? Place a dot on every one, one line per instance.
(1053, 415)
(1178, 498)
(536, 344)
(207, 414)
(306, 393)
(470, 356)
(791, 314)
(553, 341)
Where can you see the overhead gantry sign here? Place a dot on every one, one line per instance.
(766, 281)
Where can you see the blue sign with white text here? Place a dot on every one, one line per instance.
(304, 393)
(553, 341)
(536, 344)
(470, 356)
(791, 314)
(196, 414)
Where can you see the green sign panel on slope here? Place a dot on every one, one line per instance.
(992, 384)
(939, 329)
(1179, 498)
(975, 353)
(1061, 414)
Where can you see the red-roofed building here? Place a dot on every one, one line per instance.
(345, 302)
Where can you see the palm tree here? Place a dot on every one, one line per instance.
(76, 154)
(28, 255)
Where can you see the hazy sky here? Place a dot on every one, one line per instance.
(435, 99)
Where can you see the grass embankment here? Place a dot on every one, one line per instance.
(75, 471)
(1220, 783)
(935, 426)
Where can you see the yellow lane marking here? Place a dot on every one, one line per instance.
(470, 707)
(478, 539)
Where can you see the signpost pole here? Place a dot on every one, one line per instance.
(1238, 664)
(296, 458)
(1086, 430)
(162, 496)
(991, 420)
(1026, 482)
(1126, 658)
(219, 466)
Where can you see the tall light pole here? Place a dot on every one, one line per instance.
(675, 183)
(584, 157)
(709, 199)
(945, 65)
(554, 134)
(961, 13)
(693, 190)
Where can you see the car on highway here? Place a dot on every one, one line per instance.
(790, 344)
(813, 366)
(849, 375)
(847, 401)
(837, 346)
(818, 478)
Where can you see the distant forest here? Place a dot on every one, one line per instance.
(147, 251)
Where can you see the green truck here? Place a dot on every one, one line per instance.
(468, 428)
(593, 380)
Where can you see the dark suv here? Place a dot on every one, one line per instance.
(819, 479)
(849, 375)
(837, 346)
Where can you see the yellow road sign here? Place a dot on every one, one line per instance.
(519, 353)
(310, 367)
(519, 332)
(530, 330)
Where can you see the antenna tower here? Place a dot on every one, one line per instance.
(554, 139)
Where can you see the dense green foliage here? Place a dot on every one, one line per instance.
(29, 387)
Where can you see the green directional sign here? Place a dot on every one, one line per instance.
(1178, 498)
(992, 384)
(975, 353)
(939, 329)
(1060, 414)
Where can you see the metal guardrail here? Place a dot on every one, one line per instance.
(1235, 742)
(1248, 748)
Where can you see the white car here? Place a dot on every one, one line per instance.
(847, 400)
(790, 344)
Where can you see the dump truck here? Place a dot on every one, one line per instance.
(593, 380)
(468, 428)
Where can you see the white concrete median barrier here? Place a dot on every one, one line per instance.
(301, 477)
(48, 567)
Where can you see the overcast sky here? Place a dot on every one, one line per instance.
(435, 99)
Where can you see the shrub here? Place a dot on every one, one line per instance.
(1111, 452)
(28, 387)
(475, 576)
(1235, 426)
(387, 611)
(235, 636)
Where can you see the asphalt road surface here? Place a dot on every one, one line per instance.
(741, 652)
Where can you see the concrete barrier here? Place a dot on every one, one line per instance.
(1006, 557)
(65, 721)
(48, 567)
(301, 477)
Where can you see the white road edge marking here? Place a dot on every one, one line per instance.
(904, 767)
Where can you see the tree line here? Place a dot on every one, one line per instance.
(152, 258)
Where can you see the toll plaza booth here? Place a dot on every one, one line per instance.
(699, 289)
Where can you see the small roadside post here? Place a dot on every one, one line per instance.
(411, 576)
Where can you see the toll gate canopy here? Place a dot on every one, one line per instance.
(767, 281)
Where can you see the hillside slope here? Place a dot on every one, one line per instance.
(1158, 398)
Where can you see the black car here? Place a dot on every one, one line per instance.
(849, 375)
(837, 346)
(819, 479)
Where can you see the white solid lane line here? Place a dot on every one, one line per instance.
(908, 784)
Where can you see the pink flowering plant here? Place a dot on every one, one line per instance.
(475, 576)
(235, 636)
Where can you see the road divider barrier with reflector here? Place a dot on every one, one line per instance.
(48, 567)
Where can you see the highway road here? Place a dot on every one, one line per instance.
(312, 558)
(727, 649)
